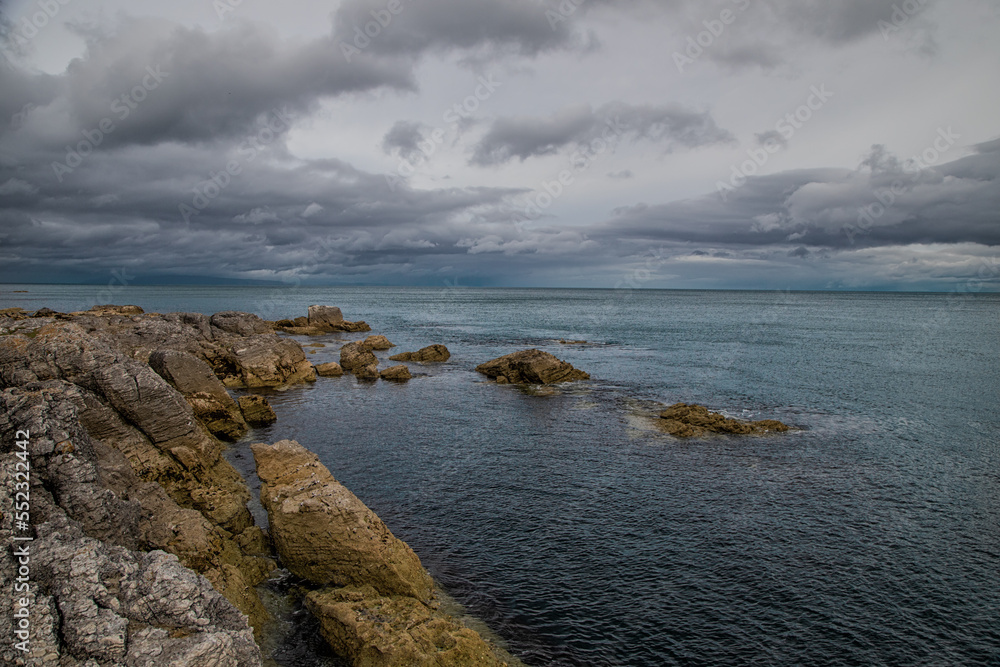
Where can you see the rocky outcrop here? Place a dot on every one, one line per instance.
(396, 374)
(357, 356)
(117, 310)
(429, 354)
(324, 316)
(324, 534)
(531, 367)
(194, 378)
(321, 320)
(97, 594)
(126, 457)
(262, 361)
(378, 343)
(395, 631)
(685, 421)
(330, 370)
(239, 324)
(375, 607)
(257, 411)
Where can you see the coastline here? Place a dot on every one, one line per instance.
(127, 414)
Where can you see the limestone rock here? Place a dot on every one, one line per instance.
(396, 374)
(223, 420)
(369, 372)
(356, 355)
(431, 353)
(378, 343)
(531, 367)
(395, 631)
(240, 324)
(269, 361)
(330, 370)
(257, 411)
(324, 534)
(320, 315)
(685, 421)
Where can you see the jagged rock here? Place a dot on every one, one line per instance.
(531, 367)
(378, 343)
(268, 361)
(208, 397)
(395, 631)
(125, 398)
(369, 372)
(257, 411)
(14, 314)
(122, 607)
(224, 421)
(685, 421)
(330, 370)
(324, 315)
(44, 312)
(431, 353)
(101, 591)
(396, 374)
(240, 324)
(324, 534)
(356, 355)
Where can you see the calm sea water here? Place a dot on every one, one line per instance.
(583, 536)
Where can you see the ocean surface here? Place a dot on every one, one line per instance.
(584, 536)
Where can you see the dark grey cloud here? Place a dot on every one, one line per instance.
(527, 136)
(403, 139)
(885, 202)
(154, 81)
(366, 27)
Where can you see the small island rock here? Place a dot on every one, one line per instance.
(684, 421)
(396, 374)
(531, 367)
(378, 343)
(429, 354)
(330, 370)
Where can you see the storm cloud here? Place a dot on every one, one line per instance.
(357, 143)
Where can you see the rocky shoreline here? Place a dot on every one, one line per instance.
(141, 548)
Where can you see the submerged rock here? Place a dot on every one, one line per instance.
(257, 411)
(395, 631)
(685, 421)
(429, 354)
(396, 374)
(531, 367)
(324, 534)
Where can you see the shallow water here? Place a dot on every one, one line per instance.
(584, 536)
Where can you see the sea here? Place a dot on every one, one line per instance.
(582, 534)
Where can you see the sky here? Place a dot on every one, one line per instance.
(748, 144)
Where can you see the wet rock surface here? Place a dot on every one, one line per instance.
(530, 367)
(429, 354)
(685, 421)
